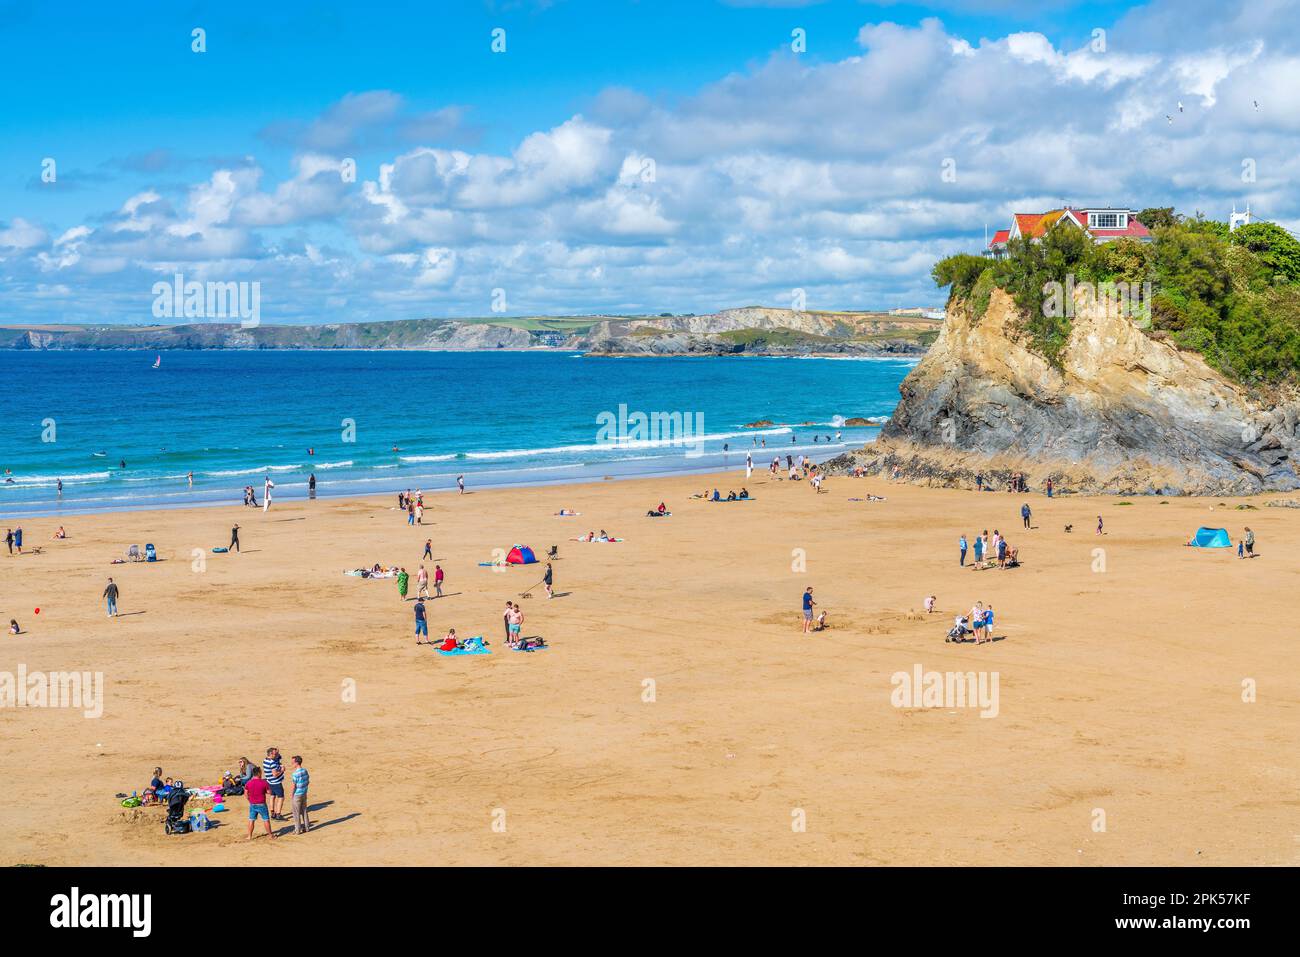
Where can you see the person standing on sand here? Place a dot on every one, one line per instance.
(460, 483)
(979, 482)
(506, 618)
(1049, 488)
(419, 513)
(961, 544)
(979, 549)
(403, 580)
(301, 781)
(422, 583)
(110, 595)
(749, 465)
(311, 485)
(266, 494)
(18, 539)
(516, 622)
(9, 539)
(256, 790)
(410, 511)
(428, 549)
(1250, 542)
(437, 581)
(548, 580)
(1099, 525)
(808, 604)
(234, 537)
(273, 768)
(1025, 513)
(421, 621)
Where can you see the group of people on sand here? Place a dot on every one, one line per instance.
(512, 620)
(659, 512)
(978, 623)
(989, 552)
(809, 623)
(421, 582)
(604, 536)
(263, 785)
(731, 496)
(412, 505)
(250, 494)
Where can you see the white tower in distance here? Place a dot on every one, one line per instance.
(1238, 219)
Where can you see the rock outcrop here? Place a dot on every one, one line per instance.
(1123, 412)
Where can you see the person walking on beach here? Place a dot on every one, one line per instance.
(301, 781)
(266, 494)
(437, 581)
(18, 539)
(1099, 525)
(311, 485)
(421, 622)
(979, 482)
(1250, 543)
(1049, 488)
(460, 483)
(422, 583)
(548, 580)
(9, 539)
(749, 465)
(419, 512)
(808, 604)
(961, 544)
(428, 549)
(410, 511)
(403, 580)
(110, 595)
(273, 768)
(1025, 513)
(256, 789)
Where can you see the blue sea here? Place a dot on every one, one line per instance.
(121, 434)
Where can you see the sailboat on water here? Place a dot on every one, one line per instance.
(157, 361)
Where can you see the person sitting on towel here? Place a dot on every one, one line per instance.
(731, 495)
(744, 494)
(663, 509)
(450, 642)
(716, 496)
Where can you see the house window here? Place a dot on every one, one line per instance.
(1108, 220)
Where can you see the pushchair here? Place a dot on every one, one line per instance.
(176, 822)
(959, 631)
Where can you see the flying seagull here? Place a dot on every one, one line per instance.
(1169, 118)
(1256, 102)
(1180, 106)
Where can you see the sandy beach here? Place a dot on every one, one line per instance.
(679, 716)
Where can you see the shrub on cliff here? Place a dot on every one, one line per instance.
(1234, 297)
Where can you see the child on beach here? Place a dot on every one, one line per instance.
(403, 580)
(929, 604)
(13, 627)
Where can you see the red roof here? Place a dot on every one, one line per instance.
(1028, 223)
(1000, 237)
(1134, 229)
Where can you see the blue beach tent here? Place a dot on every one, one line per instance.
(1211, 538)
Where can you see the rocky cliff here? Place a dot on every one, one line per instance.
(1123, 412)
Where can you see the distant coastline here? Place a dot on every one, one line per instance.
(754, 331)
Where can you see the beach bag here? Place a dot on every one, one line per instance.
(199, 821)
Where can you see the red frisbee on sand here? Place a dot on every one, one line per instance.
(38, 611)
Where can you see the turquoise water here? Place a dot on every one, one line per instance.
(499, 418)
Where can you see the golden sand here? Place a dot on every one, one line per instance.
(679, 717)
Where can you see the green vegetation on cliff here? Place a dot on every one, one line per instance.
(1232, 297)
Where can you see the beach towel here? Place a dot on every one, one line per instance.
(722, 501)
(476, 650)
(220, 549)
(597, 541)
(541, 648)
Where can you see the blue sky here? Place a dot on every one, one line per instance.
(526, 170)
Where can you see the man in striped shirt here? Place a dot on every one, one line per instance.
(273, 770)
(301, 779)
